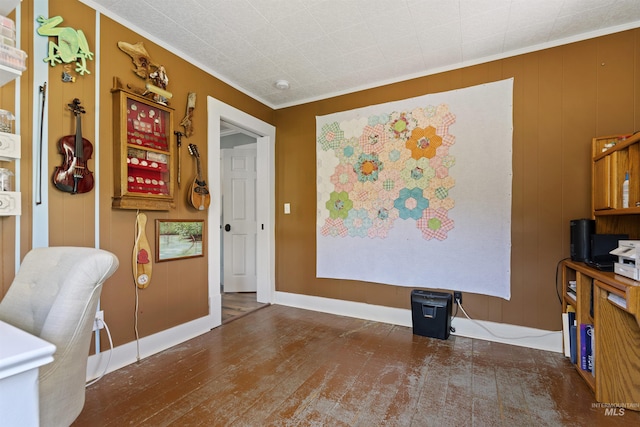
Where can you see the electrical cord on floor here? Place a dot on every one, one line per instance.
(106, 328)
(451, 328)
(135, 326)
(500, 336)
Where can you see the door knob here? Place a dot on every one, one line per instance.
(227, 227)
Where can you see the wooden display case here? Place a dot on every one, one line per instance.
(143, 153)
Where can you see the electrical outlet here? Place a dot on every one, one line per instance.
(457, 297)
(98, 323)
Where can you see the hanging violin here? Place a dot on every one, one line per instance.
(74, 176)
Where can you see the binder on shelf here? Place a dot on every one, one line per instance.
(591, 300)
(573, 338)
(586, 360)
(593, 352)
(565, 334)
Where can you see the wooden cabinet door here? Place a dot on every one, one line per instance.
(607, 181)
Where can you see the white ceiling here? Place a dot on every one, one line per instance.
(330, 47)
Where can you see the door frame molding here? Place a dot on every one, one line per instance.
(265, 203)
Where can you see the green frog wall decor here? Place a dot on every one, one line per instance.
(72, 44)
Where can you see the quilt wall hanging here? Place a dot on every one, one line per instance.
(418, 192)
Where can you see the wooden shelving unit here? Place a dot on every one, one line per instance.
(616, 319)
(582, 306)
(608, 301)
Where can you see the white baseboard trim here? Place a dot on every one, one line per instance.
(127, 354)
(500, 332)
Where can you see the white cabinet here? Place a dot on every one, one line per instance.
(21, 357)
(10, 202)
(7, 72)
(9, 146)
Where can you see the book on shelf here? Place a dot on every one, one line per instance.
(565, 335)
(568, 319)
(572, 290)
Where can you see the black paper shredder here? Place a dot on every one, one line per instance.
(431, 313)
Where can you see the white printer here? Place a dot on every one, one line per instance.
(628, 253)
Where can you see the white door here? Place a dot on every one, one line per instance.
(239, 226)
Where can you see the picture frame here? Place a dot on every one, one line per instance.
(179, 239)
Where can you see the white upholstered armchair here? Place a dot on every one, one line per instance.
(54, 296)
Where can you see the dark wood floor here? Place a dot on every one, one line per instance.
(281, 366)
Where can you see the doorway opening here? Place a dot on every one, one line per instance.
(238, 284)
(225, 121)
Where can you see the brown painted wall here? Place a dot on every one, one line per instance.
(178, 292)
(562, 98)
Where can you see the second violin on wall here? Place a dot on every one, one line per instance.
(74, 176)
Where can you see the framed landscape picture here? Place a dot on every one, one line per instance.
(178, 239)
